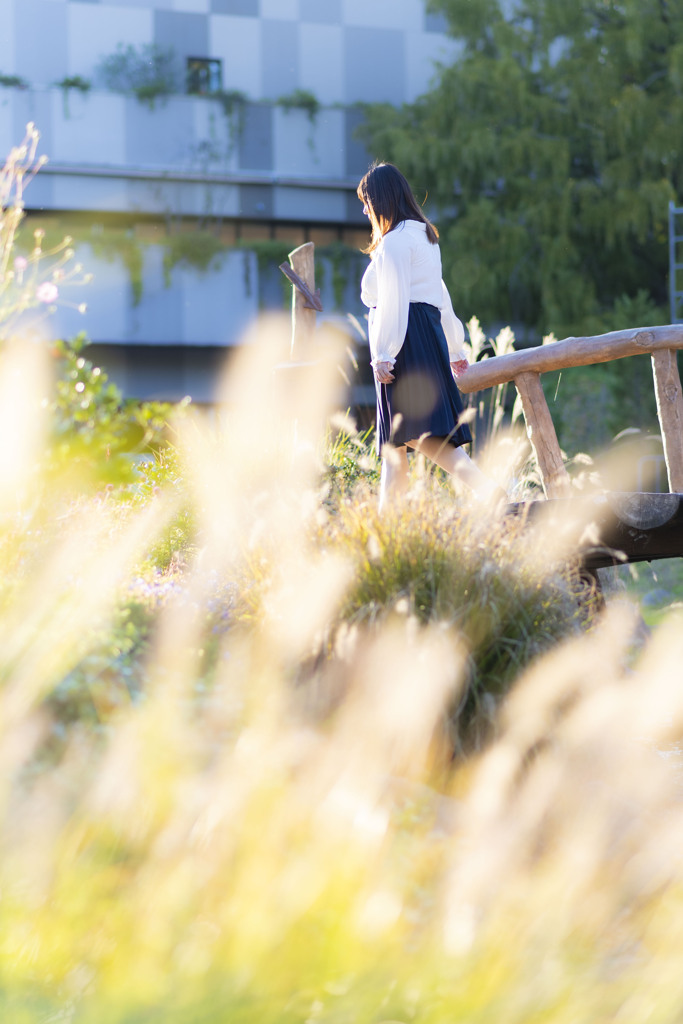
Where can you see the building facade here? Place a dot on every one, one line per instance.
(191, 143)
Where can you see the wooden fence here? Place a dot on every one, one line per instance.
(525, 369)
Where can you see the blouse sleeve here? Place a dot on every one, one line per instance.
(390, 320)
(452, 327)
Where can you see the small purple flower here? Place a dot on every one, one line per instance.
(20, 264)
(47, 292)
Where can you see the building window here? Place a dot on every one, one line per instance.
(204, 75)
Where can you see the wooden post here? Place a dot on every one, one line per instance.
(302, 262)
(541, 432)
(670, 411)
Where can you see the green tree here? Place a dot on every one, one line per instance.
(550, 151)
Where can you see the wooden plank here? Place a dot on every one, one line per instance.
(670, 411)
(541, 432)
(302, 262)
(560, 355)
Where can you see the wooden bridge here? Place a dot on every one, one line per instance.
(642, 527)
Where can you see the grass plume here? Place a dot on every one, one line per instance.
(260, 818)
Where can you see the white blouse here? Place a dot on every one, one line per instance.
(405, 268)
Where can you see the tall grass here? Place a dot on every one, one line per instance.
(292, 761)
(497, 424)
(268, 823)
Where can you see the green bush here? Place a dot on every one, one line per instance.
(97, 434)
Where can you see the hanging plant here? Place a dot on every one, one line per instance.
(344, 264)
(269, 253)
(13, 82)
(115, 243)
(233, 102)
(246, 267)
(83, 86)
(303, 99)
(199, 249)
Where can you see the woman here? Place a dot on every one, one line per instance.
(416, 340)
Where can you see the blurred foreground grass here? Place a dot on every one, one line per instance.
(258, 763)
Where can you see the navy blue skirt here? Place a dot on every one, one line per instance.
(423, 398)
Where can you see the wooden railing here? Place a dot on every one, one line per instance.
(525, 369)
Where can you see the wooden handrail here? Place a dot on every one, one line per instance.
(560, 355)
(525, 368)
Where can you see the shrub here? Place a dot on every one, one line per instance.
(98, 435)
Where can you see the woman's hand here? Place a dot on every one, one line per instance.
(383, 373)
(459, 366)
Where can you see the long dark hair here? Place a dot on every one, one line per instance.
(389, 200)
